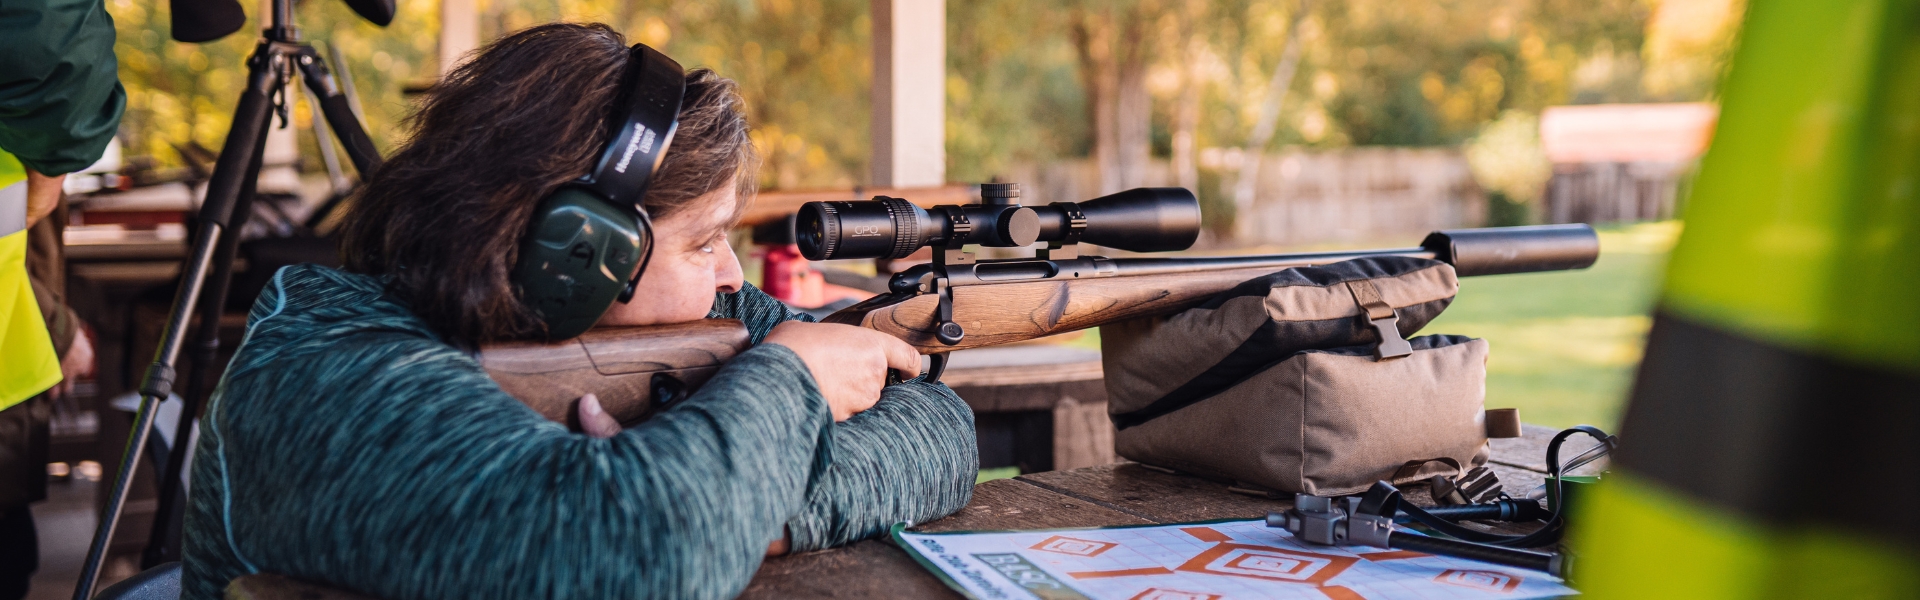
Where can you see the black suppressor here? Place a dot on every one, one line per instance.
(1137, 220)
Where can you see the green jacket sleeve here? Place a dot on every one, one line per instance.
(912, 457)
(60, 94)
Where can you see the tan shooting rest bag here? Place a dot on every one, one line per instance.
(1282, 383)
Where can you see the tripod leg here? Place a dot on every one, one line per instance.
(163, 542)
(337, 107)
(248, 133)
(339, 112)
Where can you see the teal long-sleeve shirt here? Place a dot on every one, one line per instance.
(349, 445)
(60, 94)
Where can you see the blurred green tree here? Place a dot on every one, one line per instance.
(1117, 81)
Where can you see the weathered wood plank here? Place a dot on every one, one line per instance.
(1154, 495)
(1007, 504)
(1022, 365)
(1082, 435)
(1029, 396)
(877, 569)
(870, 569)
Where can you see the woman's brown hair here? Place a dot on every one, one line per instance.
(443, 218)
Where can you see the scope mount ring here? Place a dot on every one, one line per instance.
(1076, 223)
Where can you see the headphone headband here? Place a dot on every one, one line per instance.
(655, 86)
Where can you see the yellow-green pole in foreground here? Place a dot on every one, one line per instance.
(1772, 446)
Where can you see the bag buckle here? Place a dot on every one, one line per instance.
(1391, 344)
(1380, 315)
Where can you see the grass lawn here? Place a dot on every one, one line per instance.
(1565, 345)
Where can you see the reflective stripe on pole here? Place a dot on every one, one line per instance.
(1770, 444)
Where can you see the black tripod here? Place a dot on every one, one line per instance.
(209, 267)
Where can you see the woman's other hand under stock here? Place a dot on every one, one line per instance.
(848, 363)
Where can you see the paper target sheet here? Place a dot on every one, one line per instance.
(1202, 561)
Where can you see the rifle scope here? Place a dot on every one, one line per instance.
(1137, 220)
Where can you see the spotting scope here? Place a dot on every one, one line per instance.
(1136, 220)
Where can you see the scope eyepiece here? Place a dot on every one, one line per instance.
(1136, 220)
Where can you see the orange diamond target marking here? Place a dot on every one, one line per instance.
(1074, 546)
(1272, 564)
(1160, 594)
(1492, 581)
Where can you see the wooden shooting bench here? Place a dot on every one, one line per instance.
(1040, 407)
(1120, 494)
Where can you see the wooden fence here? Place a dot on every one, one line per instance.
(1613, 192)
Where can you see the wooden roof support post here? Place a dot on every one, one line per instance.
(459, 32)
(909, 93)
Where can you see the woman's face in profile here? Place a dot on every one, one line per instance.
(691, 261)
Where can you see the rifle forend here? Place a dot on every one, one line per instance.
(991, 301)
(1001, 301)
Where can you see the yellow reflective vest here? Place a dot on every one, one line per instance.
(28, 365)
(1768, 448)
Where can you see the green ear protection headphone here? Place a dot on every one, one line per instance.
(590, 240)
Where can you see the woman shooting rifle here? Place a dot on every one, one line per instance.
(355, 441)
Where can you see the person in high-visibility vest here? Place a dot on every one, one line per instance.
(1769, 447)
(60, 104)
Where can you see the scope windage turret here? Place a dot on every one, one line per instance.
(1136, 220)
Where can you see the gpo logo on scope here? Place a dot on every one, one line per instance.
(865, 231)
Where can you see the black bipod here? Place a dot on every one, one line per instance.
(1510, 510)
(1557, 497)
(1369, 521)
(209, 269)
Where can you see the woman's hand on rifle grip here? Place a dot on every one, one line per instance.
(849, 364)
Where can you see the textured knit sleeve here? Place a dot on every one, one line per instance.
(759, 311)
(404, 473)
(60, 94)
(912, 457)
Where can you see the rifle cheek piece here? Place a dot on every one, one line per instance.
(1137, 220)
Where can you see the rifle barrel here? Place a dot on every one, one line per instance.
(1167, 266)
(1485, 251)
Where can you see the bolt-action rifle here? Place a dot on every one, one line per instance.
(957, 302)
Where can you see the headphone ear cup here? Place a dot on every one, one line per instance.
(579, 254)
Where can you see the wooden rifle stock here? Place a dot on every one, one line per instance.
(623, 366)
(996, 302)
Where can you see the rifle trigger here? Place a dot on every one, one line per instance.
(937, 365)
